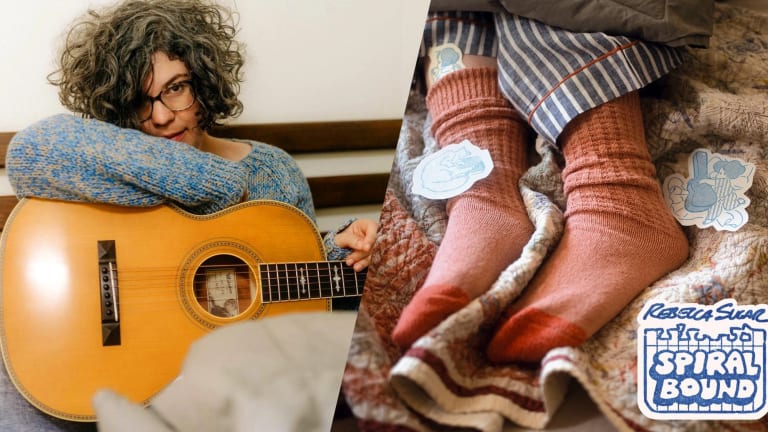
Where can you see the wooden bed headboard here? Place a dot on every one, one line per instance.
(333, 144)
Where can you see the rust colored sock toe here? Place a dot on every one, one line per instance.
(530, 334)
(428, 308)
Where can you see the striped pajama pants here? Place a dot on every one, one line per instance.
(551, 75)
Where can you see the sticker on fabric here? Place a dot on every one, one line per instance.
(444, 59)
(451, 171)
(714, 193)
(703, 362)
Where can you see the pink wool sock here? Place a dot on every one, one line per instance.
(619, 238)
(488, 225)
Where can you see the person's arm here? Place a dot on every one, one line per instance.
(70, 158)
(333, 251)
(356, 238)
(275, 175)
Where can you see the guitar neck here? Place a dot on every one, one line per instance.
(283, 282)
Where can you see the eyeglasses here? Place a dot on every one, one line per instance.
(176, 97)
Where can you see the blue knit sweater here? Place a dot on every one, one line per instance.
(69, 158)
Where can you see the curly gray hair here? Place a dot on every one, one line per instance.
(107, 58)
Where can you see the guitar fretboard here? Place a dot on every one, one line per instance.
(309, 280)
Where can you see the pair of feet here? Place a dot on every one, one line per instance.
(593, 273)
(619, 237)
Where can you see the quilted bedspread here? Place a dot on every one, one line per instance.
(718, 101)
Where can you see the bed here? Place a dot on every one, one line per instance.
(717, 102)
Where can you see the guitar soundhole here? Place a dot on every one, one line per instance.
(224, 286)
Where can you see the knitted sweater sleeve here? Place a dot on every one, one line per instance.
(275, 175)
(70, 158)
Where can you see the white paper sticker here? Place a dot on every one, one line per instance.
(714, 193)
(444, 59)
(451, 171)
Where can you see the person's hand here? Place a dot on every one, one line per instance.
(358, 236)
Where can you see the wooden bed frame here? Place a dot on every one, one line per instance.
(298, 139)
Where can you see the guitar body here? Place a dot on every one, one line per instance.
(51, 309)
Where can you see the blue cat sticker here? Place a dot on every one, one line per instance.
(714, 194)
(451, 171)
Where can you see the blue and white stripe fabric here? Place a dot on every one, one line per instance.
(472, 32)
(551, 75)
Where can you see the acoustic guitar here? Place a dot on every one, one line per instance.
(100, 296)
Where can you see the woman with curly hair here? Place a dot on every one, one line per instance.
(147, 80)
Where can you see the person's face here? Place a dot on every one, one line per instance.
(169, 77)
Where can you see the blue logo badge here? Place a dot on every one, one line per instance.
(702, 361)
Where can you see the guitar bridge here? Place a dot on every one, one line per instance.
(110, 316)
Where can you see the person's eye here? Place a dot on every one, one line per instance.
(175, 88)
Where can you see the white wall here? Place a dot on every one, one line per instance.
(307, 60)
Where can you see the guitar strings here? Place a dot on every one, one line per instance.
(146, 285)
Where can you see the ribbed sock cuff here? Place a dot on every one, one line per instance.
(461, 87)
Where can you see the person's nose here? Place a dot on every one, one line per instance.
(161, 115)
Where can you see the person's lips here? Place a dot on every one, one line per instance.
(176, 136)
